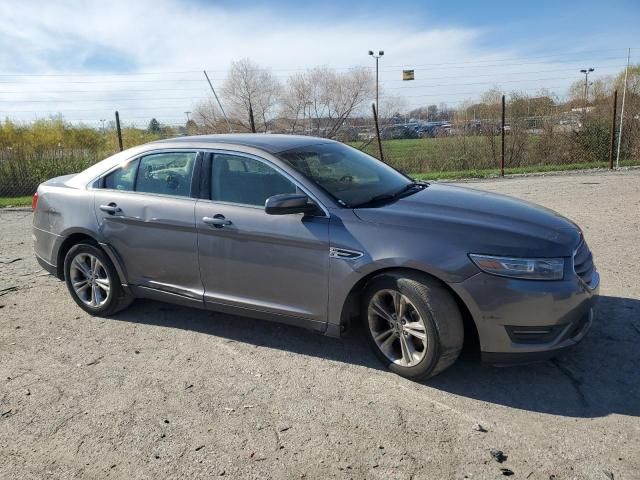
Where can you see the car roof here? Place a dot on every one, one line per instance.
(271, 143)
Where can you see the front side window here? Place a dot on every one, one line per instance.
(246, 181)
(349, 175)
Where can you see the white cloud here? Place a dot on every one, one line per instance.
(158, 36)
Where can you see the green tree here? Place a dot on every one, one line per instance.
(154, 126)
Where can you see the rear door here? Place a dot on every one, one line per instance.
(146, 213)
(275, 264)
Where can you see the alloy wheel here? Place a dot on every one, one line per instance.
(90, 280)
(397, 328)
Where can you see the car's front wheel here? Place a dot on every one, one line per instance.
(413, 324)
(92, 280)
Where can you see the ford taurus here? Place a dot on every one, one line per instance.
(312, 232)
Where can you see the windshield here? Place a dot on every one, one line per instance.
(349, 175)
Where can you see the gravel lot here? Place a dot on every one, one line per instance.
(169, 392)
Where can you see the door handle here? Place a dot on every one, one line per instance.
(217, 221)
(111, 208)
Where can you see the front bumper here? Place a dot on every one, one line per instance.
(520, 321)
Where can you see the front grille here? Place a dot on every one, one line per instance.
(583, 262)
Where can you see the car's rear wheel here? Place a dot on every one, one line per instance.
(93, 282)
(413, 324)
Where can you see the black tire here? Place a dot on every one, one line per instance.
(439, 313)
(116, 300)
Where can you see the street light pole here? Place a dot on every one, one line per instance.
(377, 57)
(586, 72)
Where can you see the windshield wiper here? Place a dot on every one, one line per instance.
(414, 186)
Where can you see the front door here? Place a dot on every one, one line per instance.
(146, 213)
(274, 264)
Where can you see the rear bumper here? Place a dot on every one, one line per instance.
(52, 269)
(520, 321)
(45, 247)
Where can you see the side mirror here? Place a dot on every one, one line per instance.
(289, 203)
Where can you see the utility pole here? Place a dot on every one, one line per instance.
(102, 120)
(187, 114)
(624, 94)
(586, 72)
(218, 100)
(377, 57)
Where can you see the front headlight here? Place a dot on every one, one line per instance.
(525, 268)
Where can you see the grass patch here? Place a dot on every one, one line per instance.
(425, 147)
(6, 202)
(495, 172)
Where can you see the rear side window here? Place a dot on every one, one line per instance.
(246, 181)
(123, 178)
(166, 173)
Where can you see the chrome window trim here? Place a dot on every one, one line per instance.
(270, 164)
(90, 184)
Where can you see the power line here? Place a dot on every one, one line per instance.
(470, 62)
(445, 77)
(116, 99)
(98, 109)
(457, 65)
(103, 92)
(496, 65)
(441, 94)
(488, 59)
(178, 105)
(111, 100)
(486, 83)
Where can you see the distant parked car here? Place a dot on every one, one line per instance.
(312, 232)
(435, 129)
(397, 132)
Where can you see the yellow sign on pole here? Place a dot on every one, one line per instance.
(407, 75)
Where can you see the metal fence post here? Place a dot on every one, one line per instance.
(375, 119)
(613, 129)
(502, 140)
(119, 131)
(252, 122)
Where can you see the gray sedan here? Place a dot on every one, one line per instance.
(314, 233)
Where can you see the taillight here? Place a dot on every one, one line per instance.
(34, 202)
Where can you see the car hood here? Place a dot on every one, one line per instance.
(481, 222)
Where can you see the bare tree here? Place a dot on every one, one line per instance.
(323, 99)
(391, 105)
(294, 102)
(209, 118)
(249, 88)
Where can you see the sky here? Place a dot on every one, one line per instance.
(85, 59)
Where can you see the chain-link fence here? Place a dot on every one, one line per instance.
(469, 144)
(32, 154)
(581, 138)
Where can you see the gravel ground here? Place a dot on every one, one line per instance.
(168, 392)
